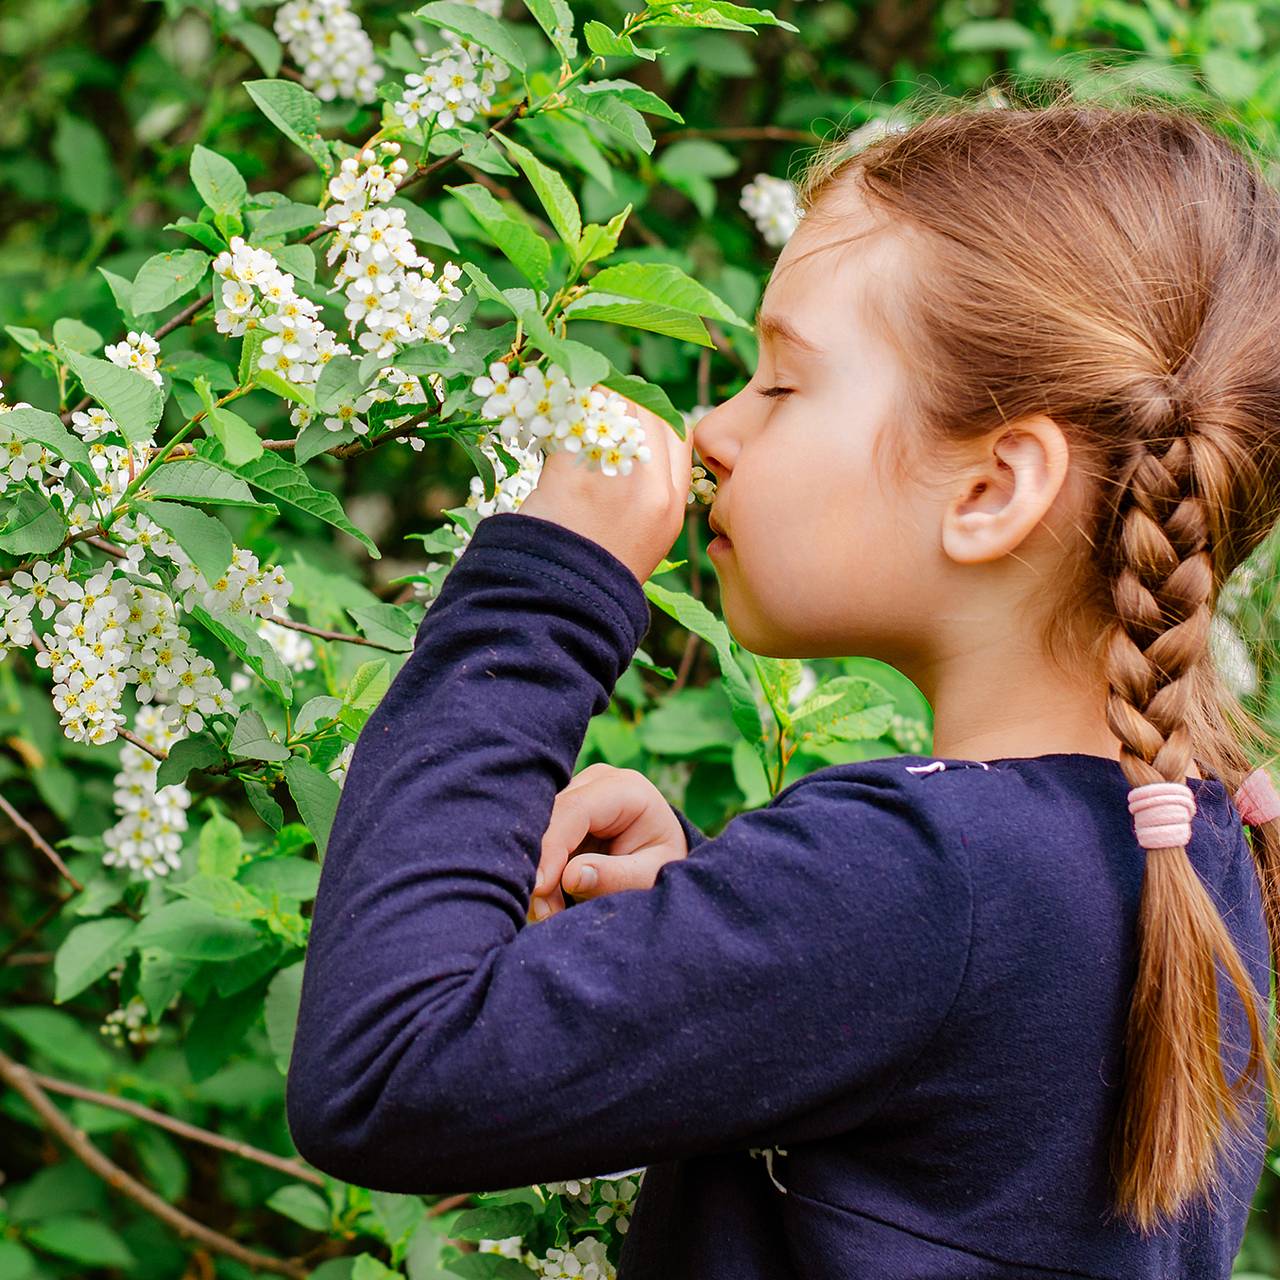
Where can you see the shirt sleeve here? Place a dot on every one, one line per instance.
(777, 984)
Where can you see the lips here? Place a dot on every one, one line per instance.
(716, 529)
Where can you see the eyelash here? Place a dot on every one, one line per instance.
(777, 392)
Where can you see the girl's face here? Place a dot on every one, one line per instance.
(828, 557)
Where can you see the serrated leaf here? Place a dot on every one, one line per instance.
(556, 20)
(632, 94)
(198, 751)
(843, 709)
(552, 190)
(584, 365)
(166, 277)
(316, 795)
(47, 429)
(75, 336)
(33, 525)
(203, 537)
(192, 930)
(238, 438)
(261, 44)
(664, 283)
(251, 648)
(134, 402)
(609, 44)
(599, 241)
(652, 316)
(87, 952)
(252, 740)
(195, 480)
(217, 180)
(625, 121)
(386, 624)
(519, 242)
(295, 111)
(289, 483)
(367, 686)
(475, 24)
(339, 383)
(281, 219)
(694, 616)
(203, 233)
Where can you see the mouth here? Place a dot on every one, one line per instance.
(721, 535)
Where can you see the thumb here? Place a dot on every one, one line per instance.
(595, 876)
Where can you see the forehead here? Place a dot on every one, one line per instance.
(840, 258)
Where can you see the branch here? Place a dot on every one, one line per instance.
(343, 636)
(40, 843)
(22, 1081)
(130, 736)
(293, 1168)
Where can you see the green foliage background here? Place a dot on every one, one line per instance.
(102, 109)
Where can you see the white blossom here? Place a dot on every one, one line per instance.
(132, 1022)
(455, 85)
(771, 202)
(331, 48)
(139, 351)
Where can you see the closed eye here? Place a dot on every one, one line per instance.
(776, 391)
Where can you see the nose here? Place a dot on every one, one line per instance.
(714, 443)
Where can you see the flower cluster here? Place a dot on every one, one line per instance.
(545, 410)
(456, 84)
(585, 1259)
(147, 839)
(245, 587)
(392, 295)
(132, 1021)
(140, 352)
(771, 203)
(256, 293)
(332, 49)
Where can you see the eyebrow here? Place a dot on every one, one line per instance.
(778, 329)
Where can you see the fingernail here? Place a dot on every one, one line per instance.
(537, 880)
(541, 908)
(585, 879)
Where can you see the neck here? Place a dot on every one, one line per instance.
(1001, 697)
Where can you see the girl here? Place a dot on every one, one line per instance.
(1013, 424)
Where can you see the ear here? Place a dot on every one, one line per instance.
(1006, 492)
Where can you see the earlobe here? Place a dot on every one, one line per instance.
(1007, 493)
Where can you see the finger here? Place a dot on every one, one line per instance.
(606, 806)
(613, 873)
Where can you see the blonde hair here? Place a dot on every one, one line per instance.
(1117, 268)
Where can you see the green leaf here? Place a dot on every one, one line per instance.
(284, 995)
(134, 402)
(217, 180)
(289, 483)
(194, 480)
(647, 396)
(261, 45)
(16, 1263)
(295, 111)
(263, 805)
(843, 709)
(664, 283)
(122, 292)
(33, 525)
(367, 1267)
(221, 847)
(386, 624)
(203, 233)
(584, 365)
(251, 740)
(166, 277)
(85, 1240)
(47, 429)
(238, 438)
(600, 241)
(487, 289)
(59, 1037)
(192, 930)
(203, 537)
(516, 1219)
(609, 44)
(298, 260)
(368, 685)
(719, 14)
(304, 1205)
(339, 383)
(88, 179)
(553, 192)
(475, 24)
(87, 952)
(74, 336)
(997, 33)
(198, 751)
(526, 249)
(316, 795)
(623, 119)
(652, 316)
(421, 225)
(632, 94)
(250, 647)
(694, 616)
(281, 219)
(160, 977)
(556, 19)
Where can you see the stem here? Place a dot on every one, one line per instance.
(343, 636)
(25, 1083)
(40, 843)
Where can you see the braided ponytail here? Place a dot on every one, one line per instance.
(1168, 1141)
(1050, 252)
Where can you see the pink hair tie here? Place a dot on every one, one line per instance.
(1162, 813)
(1257, 799)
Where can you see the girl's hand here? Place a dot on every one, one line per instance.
(637, 517)
(617, 815)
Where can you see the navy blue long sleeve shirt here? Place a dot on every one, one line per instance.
(907, 977)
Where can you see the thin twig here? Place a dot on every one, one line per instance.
(22, 1081)
(40, 843)
(184, 1130)
(129, 736)
(343, 636)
